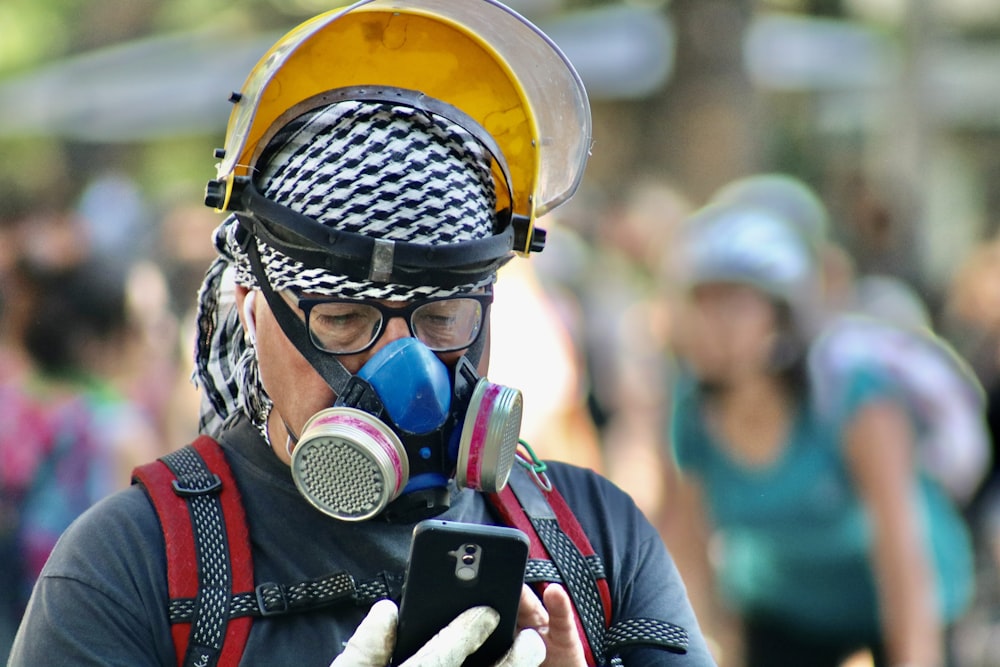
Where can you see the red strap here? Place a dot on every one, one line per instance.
(182, 576)
(570, 525)
(182, 563)
(512, 514)
(238, 536)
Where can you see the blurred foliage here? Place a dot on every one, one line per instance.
(703, 96)
(32, 31)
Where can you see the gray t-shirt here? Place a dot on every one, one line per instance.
(102, 597)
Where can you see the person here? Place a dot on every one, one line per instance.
(934, 378)
(829, 535)
(68, 436)
(969, 320)
(382, 162)
(551, 376)
(972, 320)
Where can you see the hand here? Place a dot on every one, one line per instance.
(460, 639)
(372, 643)
(457, 640)
(555, 623)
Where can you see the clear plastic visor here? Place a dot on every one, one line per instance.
(480, 57)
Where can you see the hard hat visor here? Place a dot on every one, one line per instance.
(479, 57)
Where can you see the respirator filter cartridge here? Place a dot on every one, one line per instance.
(349, 464)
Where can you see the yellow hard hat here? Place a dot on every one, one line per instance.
(479, 57)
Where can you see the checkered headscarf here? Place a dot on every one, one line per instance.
(378, 169)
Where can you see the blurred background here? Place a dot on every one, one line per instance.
(890, 109)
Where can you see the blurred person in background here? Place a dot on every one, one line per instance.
(890, 325)
(972, 320)
(637, 378)
(602, 273)
(827, 534)
(937, 381)
(954, 439)
(546, 364)
(31, 232)
(68, 437)
(156, 256)
(629, 352)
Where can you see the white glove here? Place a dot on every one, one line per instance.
(373, 641)
(457, 640)
(528, 650)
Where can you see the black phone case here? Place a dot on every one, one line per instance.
(434, 592)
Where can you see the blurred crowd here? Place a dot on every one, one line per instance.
(692, 351)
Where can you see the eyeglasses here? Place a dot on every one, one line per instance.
(350, 326)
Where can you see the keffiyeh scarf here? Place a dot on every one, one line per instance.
(378, 169)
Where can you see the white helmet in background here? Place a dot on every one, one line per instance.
(785, 196)
(748, 245)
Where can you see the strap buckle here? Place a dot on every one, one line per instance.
(187, 486)
(271, 599)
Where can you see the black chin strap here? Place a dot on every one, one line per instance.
(327, 365)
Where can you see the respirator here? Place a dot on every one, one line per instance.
(401, 428)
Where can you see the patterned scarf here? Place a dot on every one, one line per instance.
(377, 169)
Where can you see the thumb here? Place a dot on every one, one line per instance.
(457, 640)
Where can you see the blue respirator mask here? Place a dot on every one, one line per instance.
(400, 430)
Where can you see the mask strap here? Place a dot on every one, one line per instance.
(475, 351)
(329, 367)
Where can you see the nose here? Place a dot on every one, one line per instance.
(395, 328)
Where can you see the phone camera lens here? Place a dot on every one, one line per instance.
(468, 559)
(470, 548)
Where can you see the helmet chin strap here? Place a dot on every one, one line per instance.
(337, 377)
(328, 366)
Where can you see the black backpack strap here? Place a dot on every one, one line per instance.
(541, 570)
(648, 632)
(560, 552)
(590, 594)
(273, 599)
(205, 534)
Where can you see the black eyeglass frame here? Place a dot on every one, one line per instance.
(306, 304)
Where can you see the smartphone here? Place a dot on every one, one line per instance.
(455, 566)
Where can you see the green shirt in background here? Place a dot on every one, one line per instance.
(794, 537)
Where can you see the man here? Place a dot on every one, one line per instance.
(382, 163)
